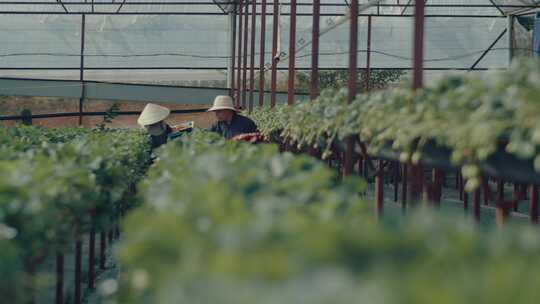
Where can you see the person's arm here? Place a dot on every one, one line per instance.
(252, 127)
(248, 126)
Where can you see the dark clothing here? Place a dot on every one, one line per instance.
(239, 125)
(162, 139)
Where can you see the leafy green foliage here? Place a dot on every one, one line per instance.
(469, 114)
(227, 222)
(378, 79)
(11, 278)
(55, 183)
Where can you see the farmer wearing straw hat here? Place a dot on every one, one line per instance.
(229, 123)
(153, 118)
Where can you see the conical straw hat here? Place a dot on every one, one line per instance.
(152, 114)
(222, 103)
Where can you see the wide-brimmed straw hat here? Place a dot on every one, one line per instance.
(223, 103)
(152, 114)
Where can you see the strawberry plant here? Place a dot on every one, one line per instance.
(471, 115)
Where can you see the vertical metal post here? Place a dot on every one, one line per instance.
(465, 199)
(368, 57)
(404, 188)
(477, 203)
(533, 205)
(416, 171)
(460, 185)
(516, 190)
(510, 27)
(436, 179)
(78, 269)
(379, 190)
(102, 249)
(232, 62)
(360, 165)
(245, 53)
(485, 187)
(501, 213)
(59, 278)
(81, 68)
(239, 74)
(91, 255)
(252, 58)
(314, 91)
(275, 28)
(418, 61)
(501, 209)
(292, 55)
(396, 181)
(500, 190)
(262, 51)
(352, 86)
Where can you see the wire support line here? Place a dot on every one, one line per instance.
(379, 52)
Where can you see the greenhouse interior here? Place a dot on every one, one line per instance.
(235, 151)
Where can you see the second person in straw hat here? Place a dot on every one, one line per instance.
(229, 123)
(152, 119)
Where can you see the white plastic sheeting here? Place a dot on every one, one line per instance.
(202, 41)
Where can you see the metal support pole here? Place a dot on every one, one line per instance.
(245, 53)
(360, 166)
(465, 199)
(232, 61)
(516, 190)
(262, 51)
(404, 191)
(81, 68)
(436, 179)
(500, 190)
(416, 171)
(485, 187)
(252, 56)
(239, 73)
(460, 185)
(314, 91)
(379, 190)
(78, 269)
(510, 28)
(292, 55)
(396, 181)
(59, 278)
(102, 250)
(533, 205)
(368, 57)
(353, 76)
(275, 28)
(91, 256)
(502, 212)
(477, 204)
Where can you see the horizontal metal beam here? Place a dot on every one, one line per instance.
(127, 13)
(212, 3)
(337, 68)
(117, 91)
(77, 114)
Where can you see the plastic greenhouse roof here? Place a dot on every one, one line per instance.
(391, 7)
(201, 40)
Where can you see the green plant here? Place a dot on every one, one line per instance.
(229, 222)
(469, 114)
(57, 183)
